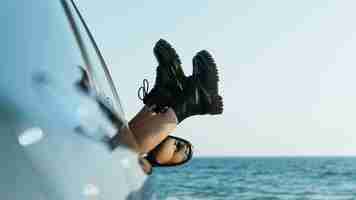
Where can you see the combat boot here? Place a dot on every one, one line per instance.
(170, 78)
(197, 100)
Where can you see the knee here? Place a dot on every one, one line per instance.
(170, 116)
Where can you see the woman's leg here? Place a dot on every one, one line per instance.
(146, 130)
(150, 128)
(140, 118)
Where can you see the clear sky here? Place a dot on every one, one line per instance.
(287, 68)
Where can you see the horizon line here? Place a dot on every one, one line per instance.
(269, 156)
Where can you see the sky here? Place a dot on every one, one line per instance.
(287, 69)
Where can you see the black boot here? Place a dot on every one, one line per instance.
(200, 94)
(168, 59)
(170, 78)
(197, 100)
(205, 69)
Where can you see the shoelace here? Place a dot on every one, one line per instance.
(143, 90)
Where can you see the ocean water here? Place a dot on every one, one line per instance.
(248, 178)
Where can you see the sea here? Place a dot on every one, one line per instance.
(257, 178)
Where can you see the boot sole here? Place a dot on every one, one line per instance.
(204, 61)
(217, 105)
(167, 56)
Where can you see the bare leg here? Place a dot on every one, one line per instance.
(146, 130)
(141, 117)
(151, 129)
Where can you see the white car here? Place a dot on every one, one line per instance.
(42, 154)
